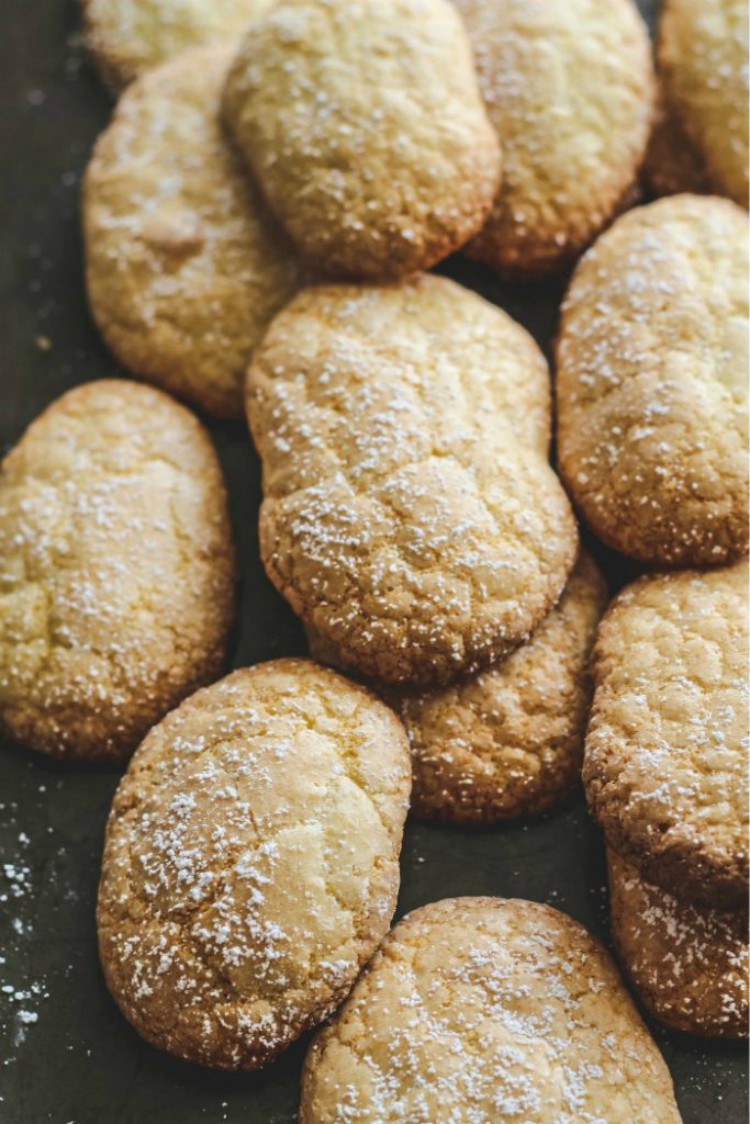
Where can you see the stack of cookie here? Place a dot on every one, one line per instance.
(666, 777)
(652, 442)
(412, 520)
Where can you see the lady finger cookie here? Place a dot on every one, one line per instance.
(689, 966)
(251, 862)
(652, 383)
(569, 88)
(508, 742)
(409, 516)
(665, 764)
(184, 265)
(672, 166)
(364, 126)
(703, 48)
(118, 570)
(484, 1009)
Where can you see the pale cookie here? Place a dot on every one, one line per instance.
(118, 570)
(251, 862)
(364, 125)
(689, 966)
(185, 266)
(409, 515)
(665, 766)
(672, 166)
(652, 363)
(479, 1009)
(703, 49)
(569, 88)
(127, 37)
(509, 741)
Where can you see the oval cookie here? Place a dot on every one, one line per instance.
(652, 363)
(409, 516)
(665, 765)
(127, 37)
(703, 61)
(569, 88)
(509, 741)
(117, 587)
(689, 966)
(251, 861)
(184, 265)
(364, 126)
(484, 1009)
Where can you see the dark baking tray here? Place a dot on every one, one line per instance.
(70, 1058)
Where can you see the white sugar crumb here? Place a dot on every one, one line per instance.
(19, 1002)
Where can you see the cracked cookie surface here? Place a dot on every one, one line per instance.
(127, 37)
(364, 126)
(689, 966)
(508, 742)
(118, 575)
(409, 514)
(665, 766)
(702, 52)
(185, 266)
(569, 89)
(652, 361)
(478, 1009)
(251, 861)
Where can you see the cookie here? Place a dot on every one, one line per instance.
(364, 126)
(689, 966)
(672, 166)
(409, 514)
(118, 575)
(251, 862)
(665, 765)
(184, 265)
(702, 53)
(509, 741)
(652, 361)
(569, 88)
(127, 37)
(480, 1009)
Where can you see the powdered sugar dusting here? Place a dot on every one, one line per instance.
(478, 1009)
(251, 861)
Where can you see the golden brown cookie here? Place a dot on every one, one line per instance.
(689, 966)
(118, 574)
(672, 165)
(652, 362)
(251, 861)
(185, 266)
(569, 88)
(703, 61)
(480, 1009)
(127, 37)
(409, 515)
(365, 128)
(665, 766)
(509, 741)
